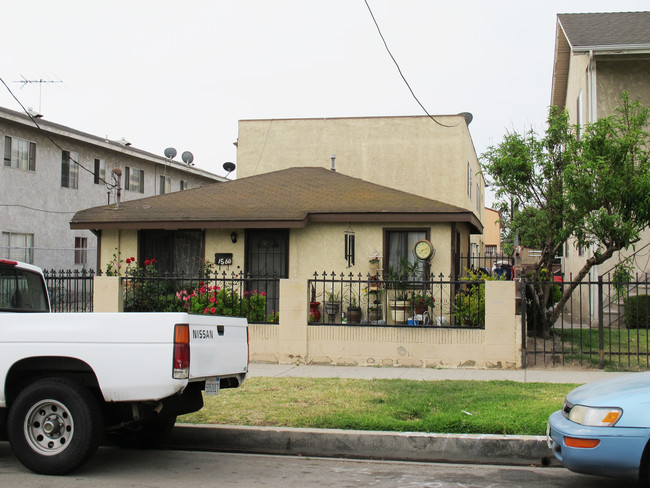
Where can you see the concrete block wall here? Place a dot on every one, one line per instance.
(294, 341)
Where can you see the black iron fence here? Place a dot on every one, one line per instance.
(239, 295)
(71, 290)
(367, 300)
(605, 324)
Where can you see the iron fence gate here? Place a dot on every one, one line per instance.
(604, 324)
(70, 291)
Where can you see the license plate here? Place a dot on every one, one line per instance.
(212, 386)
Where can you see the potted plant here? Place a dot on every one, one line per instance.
(399, 282)
(373, 263)
(314, 310)
(375, 313)
(353, 310)
(421, 301)
(332, 305)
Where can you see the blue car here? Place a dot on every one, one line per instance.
(604, 428)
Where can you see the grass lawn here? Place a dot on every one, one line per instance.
(625, 350)
(487, 407)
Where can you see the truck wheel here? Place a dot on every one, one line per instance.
(54, 426)
(143, 436)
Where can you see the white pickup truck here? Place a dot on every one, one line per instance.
(66, 378)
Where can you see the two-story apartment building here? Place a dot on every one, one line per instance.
(597, 57)
(50, 171)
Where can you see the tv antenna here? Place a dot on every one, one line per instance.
(40, 82)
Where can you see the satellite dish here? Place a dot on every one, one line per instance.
(170, 153)
(229, 167)
(188, 157)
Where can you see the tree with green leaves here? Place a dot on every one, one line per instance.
(589, 183)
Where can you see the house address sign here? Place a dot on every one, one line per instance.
(223, 258)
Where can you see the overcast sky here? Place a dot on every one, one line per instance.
(182, 73)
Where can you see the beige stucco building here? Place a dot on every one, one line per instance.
(597, 57)
(434, 158)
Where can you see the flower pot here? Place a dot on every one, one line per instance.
(420, 308)
(314, 312)
(398, 311)
(375, 315)
(354, 315)
(332, 310)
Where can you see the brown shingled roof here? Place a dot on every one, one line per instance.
(615, 29)
(281, 199)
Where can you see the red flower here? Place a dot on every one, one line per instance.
(213, 299)
(128, 260)
(213, 310)
(147, 262)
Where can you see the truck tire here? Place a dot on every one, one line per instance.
(54, 426)
(142, 436)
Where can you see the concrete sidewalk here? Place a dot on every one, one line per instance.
(554, 375)
(397, 446)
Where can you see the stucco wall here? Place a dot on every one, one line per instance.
(39, 205)
(413, 154)
(293, 340)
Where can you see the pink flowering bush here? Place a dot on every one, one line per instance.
(215, 300)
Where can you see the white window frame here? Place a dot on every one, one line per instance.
(19, 153)
(18, 246)
(81, 250)
(134, 179)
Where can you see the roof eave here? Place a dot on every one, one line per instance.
(614, 49)
(406, 217)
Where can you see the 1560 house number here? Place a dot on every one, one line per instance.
(223, 259)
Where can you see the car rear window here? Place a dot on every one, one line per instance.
(21, 291)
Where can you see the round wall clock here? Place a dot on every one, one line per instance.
(424, 250)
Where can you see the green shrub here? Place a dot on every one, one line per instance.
(637, 312)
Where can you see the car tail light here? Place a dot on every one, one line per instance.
(582, 443)
(181, 363)
(10, 262)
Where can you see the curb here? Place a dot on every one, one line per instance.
(394, 446)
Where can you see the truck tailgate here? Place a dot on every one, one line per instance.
(218, 346)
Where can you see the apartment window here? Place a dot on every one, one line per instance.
(18, 246)
(20, 154)
(134, 180)
(69, 169)
(80, 250)
(165, 184)
(469, 181)
(478, 198)
(184, 185)
(399, 249)
(490, 250)
(100, 171)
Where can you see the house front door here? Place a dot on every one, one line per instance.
(267, 259)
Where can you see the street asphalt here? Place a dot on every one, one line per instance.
(397, 446)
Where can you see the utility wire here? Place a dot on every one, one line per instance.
(34, 120)
(35, 209)
(400, 70)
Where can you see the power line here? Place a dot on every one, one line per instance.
(34, 120)
(34, 209)
(400, 70)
